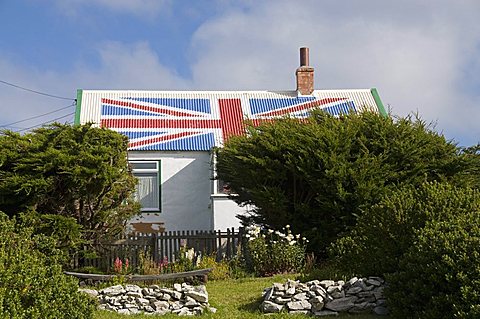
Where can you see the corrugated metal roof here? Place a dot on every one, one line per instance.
(200, 120)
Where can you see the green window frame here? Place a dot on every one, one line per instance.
(148, 189)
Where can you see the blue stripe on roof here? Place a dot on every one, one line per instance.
(197, 105)
(203, 142)
(266, 105)
(121, 110)
(136, 134)
(340, 108)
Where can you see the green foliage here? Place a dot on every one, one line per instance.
(439, 276)
(78, 172)
(274, 252)
(385, 231)
(220, 269)
(319, 174)
(32, 284)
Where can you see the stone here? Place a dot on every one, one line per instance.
(212, 309)
(133, 288)
(290, 291)
(278, 287)
(352, 281)
(91, 292)
(354, 290)
(299, 305)
(134, 294)
(300, 296)
(113, 290)
(198, 296)
(317, 303)
(148, 309)
(360, 307)
(177, 287)
(160, 305)
(313, 282)
(270, 307)
(281, 301)
(327, 283)
(380, 310)
(190, 302)
(143, 301)
(374, 281)
(378, 293)
(268, 293)
(342, 304)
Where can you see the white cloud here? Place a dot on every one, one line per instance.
(417, 54)
(124, 66)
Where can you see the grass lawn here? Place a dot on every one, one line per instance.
(237, 298)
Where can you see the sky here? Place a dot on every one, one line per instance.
(423, 56)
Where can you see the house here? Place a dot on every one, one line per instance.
(171, 135)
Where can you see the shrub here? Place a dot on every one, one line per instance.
(220, 269)
(385, 231)
(318, 174)
(273, 252)
(439, 276)
(32, 285)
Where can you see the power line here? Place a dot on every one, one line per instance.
(41, 124)
(36, 92)
(37, 116)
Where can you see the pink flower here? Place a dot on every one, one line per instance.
(117, 265)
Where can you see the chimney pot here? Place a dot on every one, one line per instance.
(304, 57)
(305, 74)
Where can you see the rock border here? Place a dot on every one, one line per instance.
(182, 299)
(326, 297)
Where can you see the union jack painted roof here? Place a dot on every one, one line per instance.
(198, 121)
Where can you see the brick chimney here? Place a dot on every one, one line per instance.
(304, 74)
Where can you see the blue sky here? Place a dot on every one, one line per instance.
(423, 56)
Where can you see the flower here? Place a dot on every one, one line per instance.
(287, 226)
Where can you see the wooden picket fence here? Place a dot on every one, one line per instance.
(164, 246)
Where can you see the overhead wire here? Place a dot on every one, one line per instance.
(35, 91)
(37, 116)
(47, 122)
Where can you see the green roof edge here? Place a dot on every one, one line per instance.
(79, 107)
(378, 101)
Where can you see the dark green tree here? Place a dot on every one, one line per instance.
(66, 175)
(318, 174)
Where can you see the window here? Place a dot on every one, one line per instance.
(148, 187)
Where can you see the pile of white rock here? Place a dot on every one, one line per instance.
(326, 297)
(182, 299)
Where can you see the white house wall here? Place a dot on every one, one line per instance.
(186, 188)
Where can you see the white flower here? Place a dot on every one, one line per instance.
(292, 243)
(287, 226)
(297, 236)
(304, 239)
(247, 235)
(270, 231)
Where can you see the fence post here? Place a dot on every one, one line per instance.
(156, 258)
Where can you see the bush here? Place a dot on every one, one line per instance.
(32, 284)
(385, 231)
(220, 269)
(439, 276)
(317, 175)
(274, 252)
